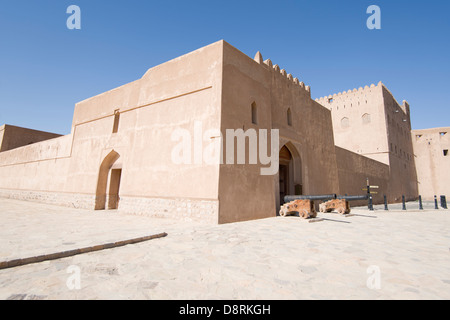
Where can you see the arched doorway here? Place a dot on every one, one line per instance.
(289, 174)
(283, 173)
(108, 194)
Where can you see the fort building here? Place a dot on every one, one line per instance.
(119, 154)
(432, 161)
(370, 122)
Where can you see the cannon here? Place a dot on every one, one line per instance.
(313, 198)
(305, 209)
(354, 198)
(340, 205)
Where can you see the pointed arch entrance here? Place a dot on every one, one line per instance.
(290, 181)
(284, 173)
(107, 196)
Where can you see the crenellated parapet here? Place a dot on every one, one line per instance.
(350, 94)
(282, 72)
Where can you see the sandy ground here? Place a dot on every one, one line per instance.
(369, 255)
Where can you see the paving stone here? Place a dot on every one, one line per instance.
(267, 259)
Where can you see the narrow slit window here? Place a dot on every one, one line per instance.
(254, 113)
(289, 117)
(116, 121)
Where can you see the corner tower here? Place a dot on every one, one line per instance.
(370, 122)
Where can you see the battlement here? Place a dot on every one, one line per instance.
(329, 99)
(361, 94)
(275, 68)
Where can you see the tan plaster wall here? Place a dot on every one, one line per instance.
(41, 166)
(241, 186)
(244, 193)
(403, 178)
(385, 138)
(432, 166)
(354, 169)
(12, 137)
(371, 137)
(170, 96)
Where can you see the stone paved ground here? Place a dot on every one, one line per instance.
(276, 258)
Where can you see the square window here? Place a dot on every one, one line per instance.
(445, 153)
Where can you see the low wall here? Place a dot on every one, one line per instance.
(353, 171)
(205, 211)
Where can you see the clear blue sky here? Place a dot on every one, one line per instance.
(46, 68)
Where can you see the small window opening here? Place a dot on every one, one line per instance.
(330, 100)
(366, 119)
(442, 133)
(116, 121)
(254, 113)
(445, 153)
(289, 117)
(345, 122)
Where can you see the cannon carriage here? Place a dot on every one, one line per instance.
(341, 206)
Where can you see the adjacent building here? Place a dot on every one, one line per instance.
(432, 161)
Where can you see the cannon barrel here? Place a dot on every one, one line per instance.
(353, 198)
(320, 197)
